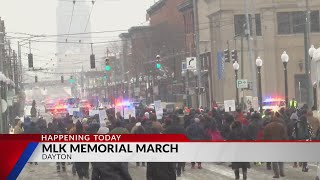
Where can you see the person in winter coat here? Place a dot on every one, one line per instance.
(240, 117)
(138, 130)
(196, 132)
(160, 170)
(110, 171)
(225, 130)
(213, 132)
(176, 128)
(254, 126)
(314, 124)
(237, 133)
(107, 170)
(18, 129)
(156, 123)
(276, 130)
(103, 129)
(302, 131)
(82, 168)
(291, 124)
(33, 129)
(119, 129)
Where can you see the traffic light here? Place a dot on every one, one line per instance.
(62, 79)
(72, 80)
(234, 55)
(105, 77)
(226, 55)
(30, 60)
(36, 79)
(158, 65)
(107, 68)
(92, 61)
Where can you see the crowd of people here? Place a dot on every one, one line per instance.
(211, 125)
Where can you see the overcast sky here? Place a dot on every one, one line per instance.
(39, 17)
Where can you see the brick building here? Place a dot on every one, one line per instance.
(186, 8)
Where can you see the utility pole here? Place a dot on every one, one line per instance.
(197, 41)
(250, 54)
(307, 57)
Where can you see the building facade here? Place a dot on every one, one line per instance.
(276, 26)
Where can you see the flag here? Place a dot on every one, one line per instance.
(220, 71)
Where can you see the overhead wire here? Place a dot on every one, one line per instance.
(93, 3)
(74, 2)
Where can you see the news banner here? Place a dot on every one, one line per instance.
(145, 148)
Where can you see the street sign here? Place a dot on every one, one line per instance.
(242, 83)
(191, 63)
(230, 105)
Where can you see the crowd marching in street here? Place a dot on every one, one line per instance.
(196, 124)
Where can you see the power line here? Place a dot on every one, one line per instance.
(74, 2)
(93, 2)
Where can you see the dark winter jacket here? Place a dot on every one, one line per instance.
(32, 129)
(253, 129)
(302, 130)
(161, 171)
(237, 133)
(174, 129)
(275, 130)
(110, 171)
(196, 132)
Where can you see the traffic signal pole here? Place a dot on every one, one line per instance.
(196, 27)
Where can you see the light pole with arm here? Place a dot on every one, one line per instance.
(285, 60)
(236, 67)
(259, 63)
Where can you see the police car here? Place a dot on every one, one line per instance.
(274, 104)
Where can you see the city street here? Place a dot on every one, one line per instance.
(210, 171)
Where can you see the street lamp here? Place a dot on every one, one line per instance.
(259, 65)
(285, 60)
(315, 56)
(236, 67)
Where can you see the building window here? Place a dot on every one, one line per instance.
(294, 22)
(283, 19)
(258, 25)
(298, 22)
(315, 21)
(240, 24)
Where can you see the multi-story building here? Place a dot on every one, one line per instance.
(276, 26)
(187, 10)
